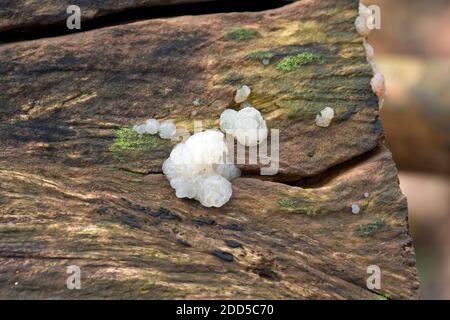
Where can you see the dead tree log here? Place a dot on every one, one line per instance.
(77, 187)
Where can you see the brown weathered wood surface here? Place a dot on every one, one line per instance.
(71, 192)
(29, 14)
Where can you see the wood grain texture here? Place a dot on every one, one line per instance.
(28, 14)
(72, 191)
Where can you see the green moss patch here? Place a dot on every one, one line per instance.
(291, 63)
(383, 297)
(128, 139)
(261, 55)
(240, 34)
(297, 206)
(369, 229)
(287, 203)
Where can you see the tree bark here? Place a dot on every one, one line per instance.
(79, 188)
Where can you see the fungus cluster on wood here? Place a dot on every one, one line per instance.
(166, 129)
(363, 24)
(200, 167)
(246, 125)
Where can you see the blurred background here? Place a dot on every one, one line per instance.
(412, 50)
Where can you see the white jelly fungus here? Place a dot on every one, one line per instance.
(246, 125)
(324, 118)
(152, 126)
(361, 22)
(361, 26)
(242, 94)
(378, 85)
(167, 129)
(197, 169)
(227, 120)
(369, 51)
(355, 209)
(139, 128)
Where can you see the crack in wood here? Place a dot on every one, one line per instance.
(108, 18)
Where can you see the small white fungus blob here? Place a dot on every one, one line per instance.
(361, 22)
(355, 209)
(361, 26)
(324, 118)
(369, 51)
(197, 169)
(366, 194)
(378, 84)
(227, 170)
(242, 94)
(214, 191)
(227, 120)
(167, 129)
(247, 125)
(364, 11)
(152, 126)
(139, 128)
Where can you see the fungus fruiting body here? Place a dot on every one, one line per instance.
(355, 209)
(227, 120)
(324, 118)
(362, 21)
(242, 94)
(197, 169)
(167, 129)
(378, 84)
(370, 54)
(246, 125)
(361, 26)
(152, 126)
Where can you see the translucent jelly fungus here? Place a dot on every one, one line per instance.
(227, 120)
(324, 118)
(139, 128)
(369, 51)
(361, 26)
(197, 169)
(378, 85)
(362, 21)
(167, 129)
(152, 126)
(246, 125)
(242, 94)
(355, 209)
